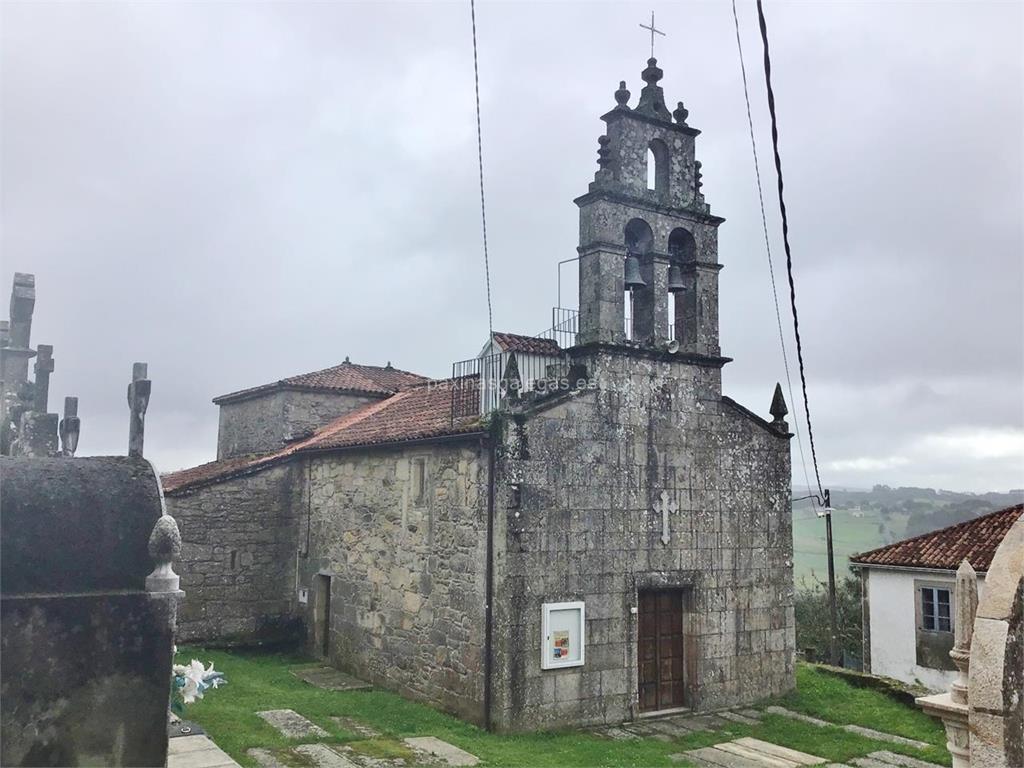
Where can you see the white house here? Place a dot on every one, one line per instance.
(908, 597)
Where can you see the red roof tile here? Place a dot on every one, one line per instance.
(347, 377)
(421, 412)
(975, 540)
(533, 345)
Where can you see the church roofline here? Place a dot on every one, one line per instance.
(763, 423)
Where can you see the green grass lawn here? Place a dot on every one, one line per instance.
(259, 682)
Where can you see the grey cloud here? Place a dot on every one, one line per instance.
(239, 192)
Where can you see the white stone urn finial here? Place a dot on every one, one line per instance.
(164, 548)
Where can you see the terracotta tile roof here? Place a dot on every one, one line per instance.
(347, 377)
(421, 412)
(514, 342)
(976, 540)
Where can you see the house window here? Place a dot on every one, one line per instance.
(936, 615)
(419, 480)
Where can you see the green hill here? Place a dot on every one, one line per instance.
(864, 520)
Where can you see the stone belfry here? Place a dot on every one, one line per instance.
(645, 215)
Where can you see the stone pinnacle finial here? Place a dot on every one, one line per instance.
(164, 548)
(680, 113)
(346, 360)
(652, 98)
(622, 96)
(138, 401)
(70, 427)
(653, 73)
(778, 409)
(965, 601)
(604, 154)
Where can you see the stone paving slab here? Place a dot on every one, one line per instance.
(736, 717)
(331, 679)
(785, 753)
(670, 729)
(197, 752)
(451, 754)
(903, 761)
(291, 724)
(753, 714)
(892, 738)
(867, 762)
(324, 757)
(761, 758)
(799, 716)
(717, 758)
(264, 758)
(860, 730)
(358, 727)
(751, 753)
(617, 734)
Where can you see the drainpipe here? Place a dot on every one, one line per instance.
(489, 590)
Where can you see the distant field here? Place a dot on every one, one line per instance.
(850, 534)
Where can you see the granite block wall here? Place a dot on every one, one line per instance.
(268, 421)
(589, 471)
(406, 569)
(240, 541)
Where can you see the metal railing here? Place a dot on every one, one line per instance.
(565, 324)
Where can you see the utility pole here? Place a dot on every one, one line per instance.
(834, 650)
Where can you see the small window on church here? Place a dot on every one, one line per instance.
(419, 480)
(652, 170)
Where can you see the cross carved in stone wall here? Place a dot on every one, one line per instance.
(665, 507)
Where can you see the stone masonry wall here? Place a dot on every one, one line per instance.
(239, 544)
(590, 470)
(406, 576)
(267, 422)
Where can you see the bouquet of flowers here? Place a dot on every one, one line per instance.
(188, 682)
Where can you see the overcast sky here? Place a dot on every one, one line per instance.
(238, 192)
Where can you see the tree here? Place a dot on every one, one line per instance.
(813, 630)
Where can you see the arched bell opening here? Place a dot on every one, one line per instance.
(682, 285)
(638, 239)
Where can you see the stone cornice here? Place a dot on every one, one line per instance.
(622, 198)
(625, 114)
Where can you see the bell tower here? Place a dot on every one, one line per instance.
(646, 232)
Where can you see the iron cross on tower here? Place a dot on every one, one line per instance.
(653, 32)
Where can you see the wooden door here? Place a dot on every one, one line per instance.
(660, 650)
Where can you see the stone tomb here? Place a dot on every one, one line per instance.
(86, 648)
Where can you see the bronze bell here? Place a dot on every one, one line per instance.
(633, 279)
(675, 279)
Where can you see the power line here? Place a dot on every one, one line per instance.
(480, 161)
(768, 247)
(785, 238)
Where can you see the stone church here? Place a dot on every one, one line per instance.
(576, 528)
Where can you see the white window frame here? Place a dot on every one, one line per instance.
(546, 662)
